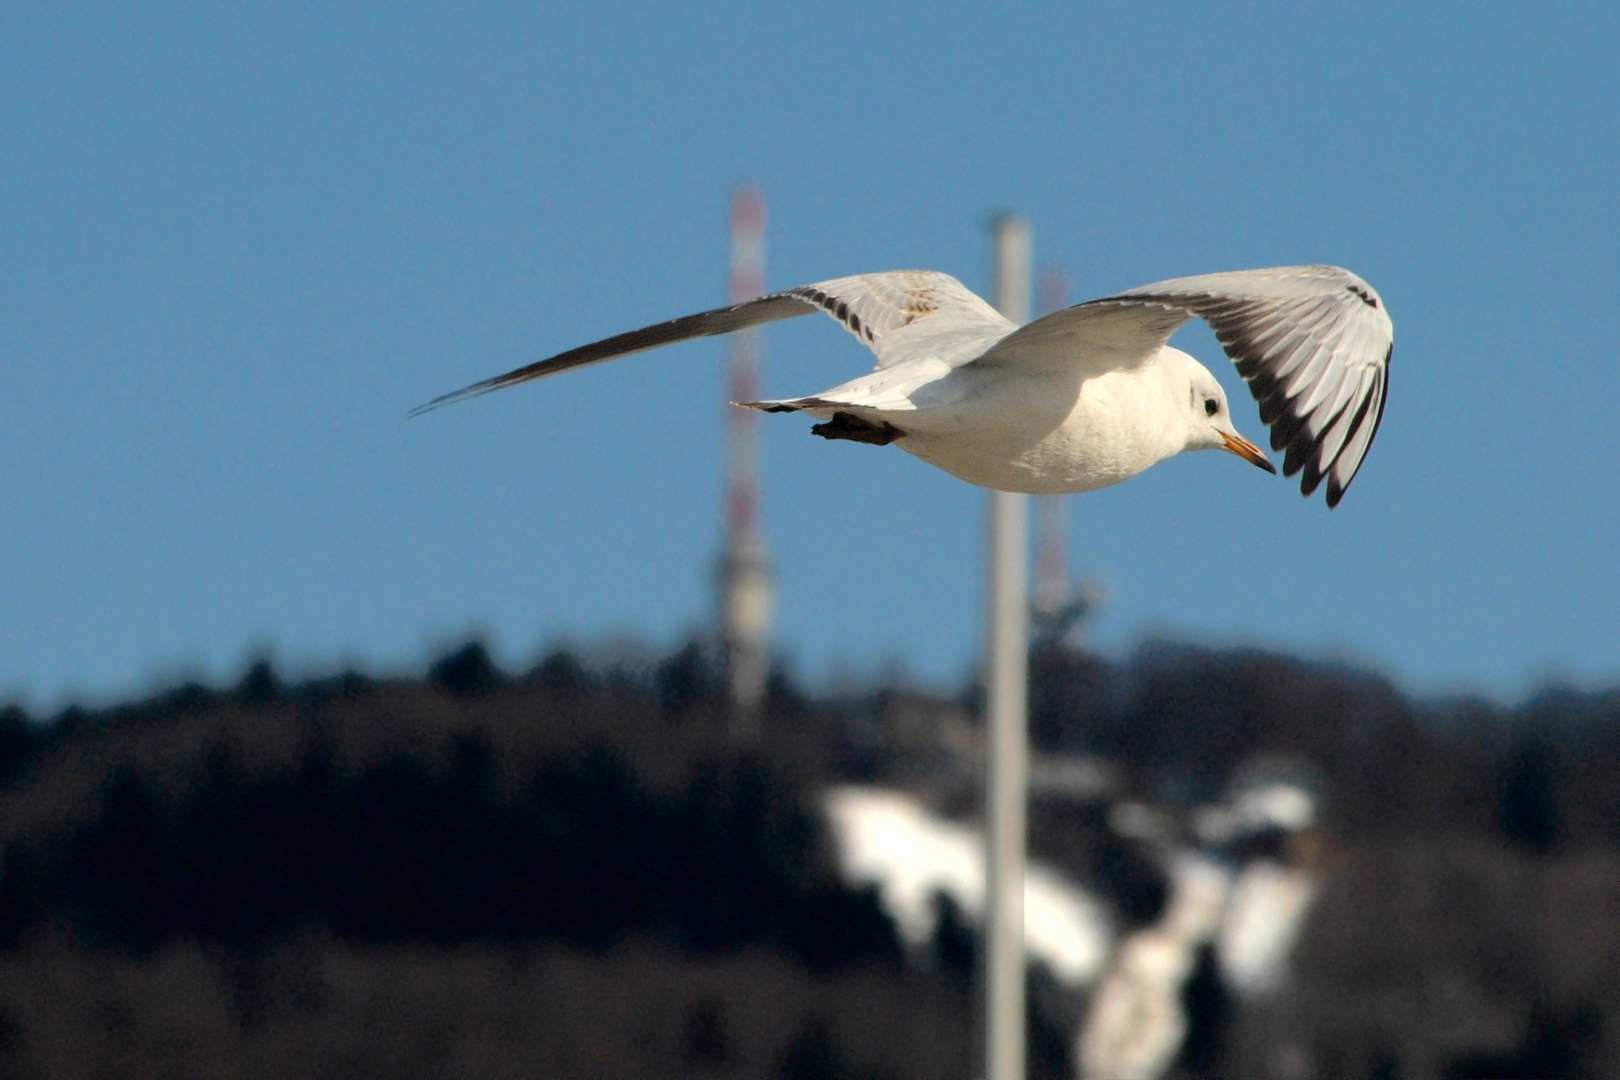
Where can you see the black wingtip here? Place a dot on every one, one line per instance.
(436, 403)
(475, 390)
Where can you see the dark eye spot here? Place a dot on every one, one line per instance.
(1211, 406)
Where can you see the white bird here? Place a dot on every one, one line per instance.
(1084, 397)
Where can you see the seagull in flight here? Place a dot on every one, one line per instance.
(1084, 397)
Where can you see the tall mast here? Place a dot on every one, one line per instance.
(746, 594)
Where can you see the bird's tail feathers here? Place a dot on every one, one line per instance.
(778, 405)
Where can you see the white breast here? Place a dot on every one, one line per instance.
(1050, 433)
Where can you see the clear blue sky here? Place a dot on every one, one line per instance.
(238, 242)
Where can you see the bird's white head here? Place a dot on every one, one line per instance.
(1209, 417)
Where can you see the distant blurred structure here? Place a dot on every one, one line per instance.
(1055, 607)
(747, 596)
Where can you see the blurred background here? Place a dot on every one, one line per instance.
(343, 745)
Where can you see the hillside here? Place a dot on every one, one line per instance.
(572, 870)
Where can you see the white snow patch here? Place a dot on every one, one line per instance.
(890, 839)
(1263, 916)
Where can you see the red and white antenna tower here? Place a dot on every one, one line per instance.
(746, 594)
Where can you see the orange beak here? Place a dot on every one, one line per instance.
(1249, 452)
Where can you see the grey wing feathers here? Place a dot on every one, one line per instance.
(1312, 342)
(905, 315)
(1103, 335)
(900, 315)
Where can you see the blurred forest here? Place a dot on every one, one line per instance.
(573, 871)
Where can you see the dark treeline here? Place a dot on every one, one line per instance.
(1544, 776)
(573, 871)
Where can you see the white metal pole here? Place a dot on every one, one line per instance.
(1006, 715)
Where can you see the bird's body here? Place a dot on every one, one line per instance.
(1085, 397)
(1045, 432)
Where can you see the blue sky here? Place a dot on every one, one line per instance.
(238, 242)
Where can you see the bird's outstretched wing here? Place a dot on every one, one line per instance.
(900, 315)
(1312, 342)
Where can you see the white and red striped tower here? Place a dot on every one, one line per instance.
(746, 593)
